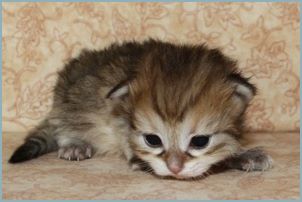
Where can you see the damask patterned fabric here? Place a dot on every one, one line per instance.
(105, 178)
(38, 38)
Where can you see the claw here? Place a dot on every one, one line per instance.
(88, 152)
(75, 153)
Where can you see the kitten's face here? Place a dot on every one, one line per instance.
(186, 110)
(187, 147)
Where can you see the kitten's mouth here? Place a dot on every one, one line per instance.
(180, 177)
(188, 176)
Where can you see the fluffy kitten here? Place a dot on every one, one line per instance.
(173, 109)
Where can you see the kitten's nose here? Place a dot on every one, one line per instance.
(175, 163)
(174, 168)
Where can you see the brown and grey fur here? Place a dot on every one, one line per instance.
(105, 100)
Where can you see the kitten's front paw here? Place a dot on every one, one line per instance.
(251, 160)
(75, 152)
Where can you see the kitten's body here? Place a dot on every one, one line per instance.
(105, 101)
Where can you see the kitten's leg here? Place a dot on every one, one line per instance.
(253, 159)
(74, 149)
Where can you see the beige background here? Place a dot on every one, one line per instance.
(38, 38)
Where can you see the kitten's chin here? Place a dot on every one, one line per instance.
(184, 175)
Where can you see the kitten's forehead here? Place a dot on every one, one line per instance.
(208, 114)
(192, 123)
(175, 79)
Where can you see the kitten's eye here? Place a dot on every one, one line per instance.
(152, 140)
(199, 142)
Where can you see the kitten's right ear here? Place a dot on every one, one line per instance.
(118, 91)
(244, 90)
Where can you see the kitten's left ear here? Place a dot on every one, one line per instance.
(244, 90)
(118, 91)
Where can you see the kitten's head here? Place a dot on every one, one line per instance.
(187, 105)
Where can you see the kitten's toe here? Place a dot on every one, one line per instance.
(251, 160)
(75, 152)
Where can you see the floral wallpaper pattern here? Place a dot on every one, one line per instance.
(38, 38)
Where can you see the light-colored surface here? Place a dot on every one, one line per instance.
(39, 37)
(105, 178)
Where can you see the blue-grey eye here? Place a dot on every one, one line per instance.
(153, 140)
(200, 141)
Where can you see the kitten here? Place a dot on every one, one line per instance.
(175, 110)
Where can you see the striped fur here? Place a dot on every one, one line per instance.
(39, 141)
(105, 101)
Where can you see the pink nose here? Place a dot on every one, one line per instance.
(174, 168)
(175, 162)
